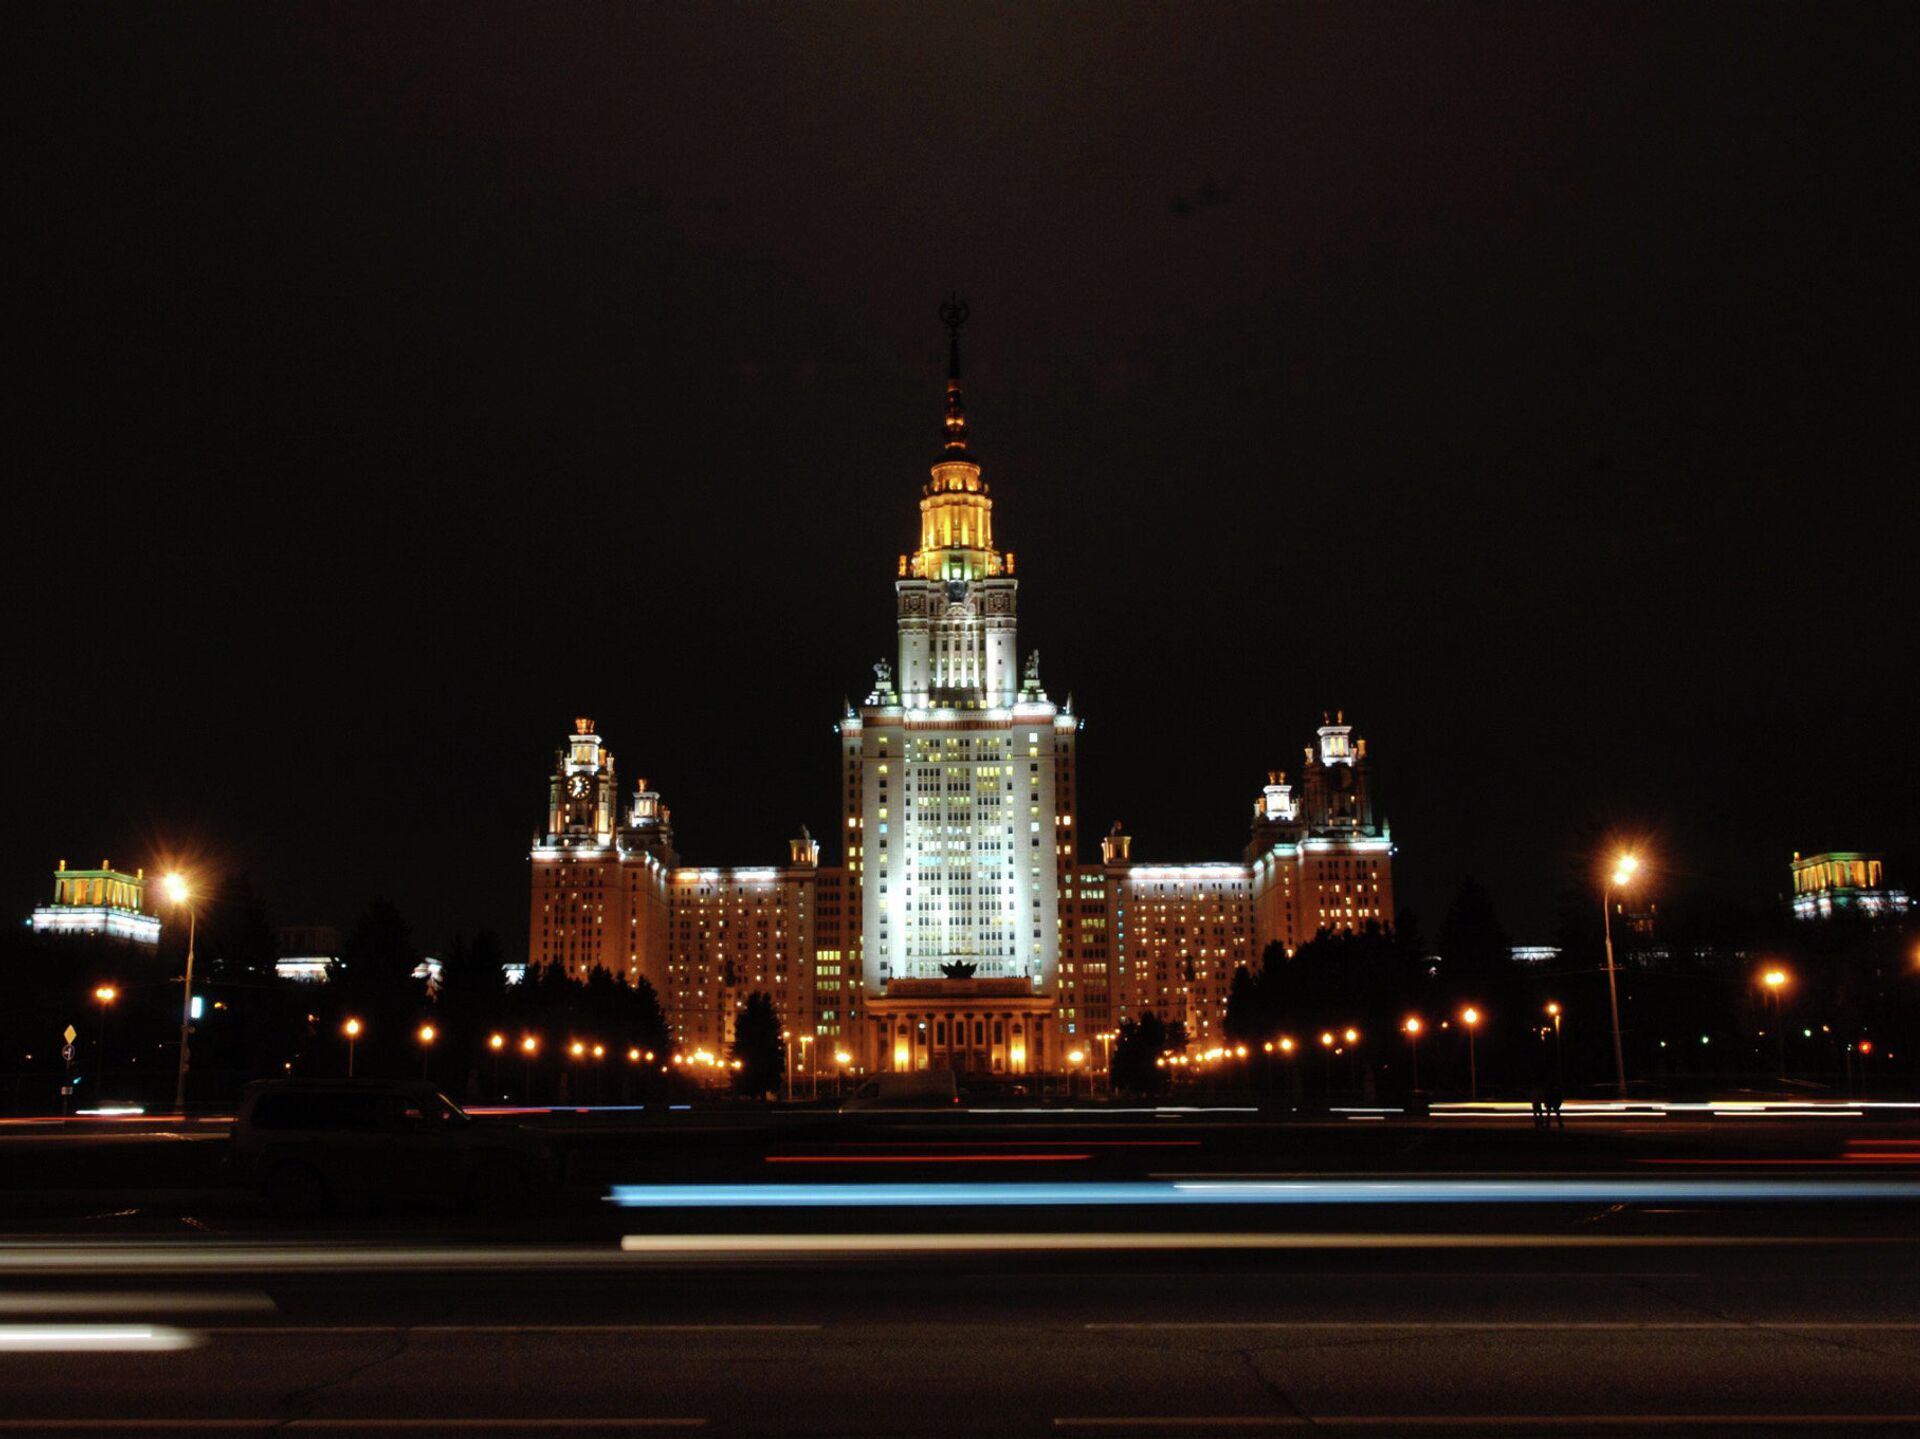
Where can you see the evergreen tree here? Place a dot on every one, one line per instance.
(375, 984)
(1140, 1042)
(1244, 1021)
(758, 1046)
(1471, 939)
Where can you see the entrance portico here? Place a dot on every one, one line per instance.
(971, 1026)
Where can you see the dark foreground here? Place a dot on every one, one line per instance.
(1685, 1312)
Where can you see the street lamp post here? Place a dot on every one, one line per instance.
(1775, 981)
(1559, 1065)
(529, 1046)
(1285, 1046)
(179, 893)
(806, 1067)
(1622, 874)
(1470, 1017)
(352, 1029)
(496, 1042)
(1412, 1027)
(1075, 1058)
(427, 1035)
(105, 994)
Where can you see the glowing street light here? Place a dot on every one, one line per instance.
(1075, 1059)
(1624, 867)
(1777, 979)
(352, 1030)
(426, 1034)
(497, 1043)
(179, 892)
(1471, 1018)
(529, 1047)
(1559, 1068)
(104, 995)
(1413, 1026)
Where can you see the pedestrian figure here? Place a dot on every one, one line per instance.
(1538, 1095)
(1554, 1100)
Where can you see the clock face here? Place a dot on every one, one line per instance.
(577, 786)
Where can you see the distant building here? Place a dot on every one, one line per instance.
(1842, 883)
(1534, 953)
(99, 901)
(305, 952)
(962, 927)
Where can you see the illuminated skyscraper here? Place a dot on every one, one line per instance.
(961, 929)
(959, 787)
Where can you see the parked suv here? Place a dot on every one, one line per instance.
(312, 1145)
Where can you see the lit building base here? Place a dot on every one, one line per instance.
(970, 1026)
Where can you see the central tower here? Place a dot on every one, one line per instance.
(958, 777)
(956, 592)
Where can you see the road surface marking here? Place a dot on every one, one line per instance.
(1524, 1325)
(920, 1158)
(1490, 1421)
(151, 1302)
(271, 1330)
(278, 1425)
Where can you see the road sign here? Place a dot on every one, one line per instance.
(66, 1053)
(71, 1034)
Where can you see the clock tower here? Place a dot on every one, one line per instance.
(581, 803)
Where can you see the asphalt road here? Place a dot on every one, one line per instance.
(1796, 1332)
(1743, 1278)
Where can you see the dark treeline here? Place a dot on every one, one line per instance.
(1693, 1009)
(254, 1024)
(1693, 1012)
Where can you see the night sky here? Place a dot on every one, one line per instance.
(392, 384)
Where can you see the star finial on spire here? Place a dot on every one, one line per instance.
(953, 314)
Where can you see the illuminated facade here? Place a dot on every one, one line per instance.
(732, 932)
(959, 786)
(102, 902)
(1837, 883)
(600, 879)
(962, 928)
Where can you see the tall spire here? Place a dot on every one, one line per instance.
(953, 314)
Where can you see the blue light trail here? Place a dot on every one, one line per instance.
(1281, 1191)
